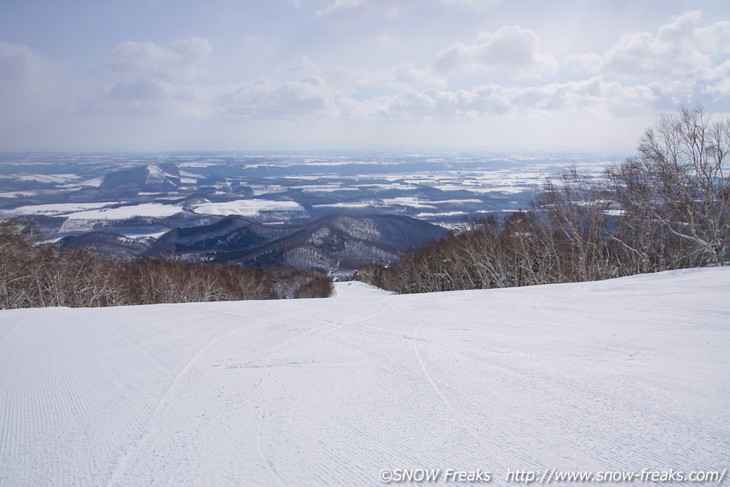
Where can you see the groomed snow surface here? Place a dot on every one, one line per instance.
(619, 375)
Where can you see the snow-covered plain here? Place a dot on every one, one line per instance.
(55, 208)
(626, 374)
(248, 207)
(123, 212)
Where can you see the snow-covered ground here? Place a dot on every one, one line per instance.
(145, 209)
(621, 375)
(248, 207)
(54, 209)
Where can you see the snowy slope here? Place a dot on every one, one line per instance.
(627, 374)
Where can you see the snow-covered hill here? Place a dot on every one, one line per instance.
(619, 375)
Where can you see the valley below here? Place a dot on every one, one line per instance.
(334, 211)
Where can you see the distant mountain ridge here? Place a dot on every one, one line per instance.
(337, 243)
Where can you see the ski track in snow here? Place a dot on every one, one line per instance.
(624, 374)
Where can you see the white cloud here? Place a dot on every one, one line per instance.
(402, 92)
(719, 87)
(397, 77)
(313, 97)
(304, 66)
(352, 9)
(594, 97)
(146, 92)
(453, 57)
(716, 37)
(18, 64)
(684, 61)
(511, 49)
(30, 85)
(411, 75)
(271, 99)
(385, 41)
(683, 53)
(473, 4)
(138, 90)
(589, 62)
(151, 80)
(154, 98)
(23, 69)
(147, 60)
(674, 52)
(367, 81)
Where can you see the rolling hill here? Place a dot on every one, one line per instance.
(337, 243)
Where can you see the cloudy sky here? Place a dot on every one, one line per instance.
(516, 75)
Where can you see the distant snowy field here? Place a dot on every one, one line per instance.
(251, 207)
(620, 375)
(118, 192)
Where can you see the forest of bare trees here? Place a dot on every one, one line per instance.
(667, 208)
(34, 274)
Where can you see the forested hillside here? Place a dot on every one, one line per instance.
(34, 274)
(668, 208)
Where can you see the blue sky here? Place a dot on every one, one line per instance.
(437, 74)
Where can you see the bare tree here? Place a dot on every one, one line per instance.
(577, 208)
(679, 186)
(667, 208)
(33, 274)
